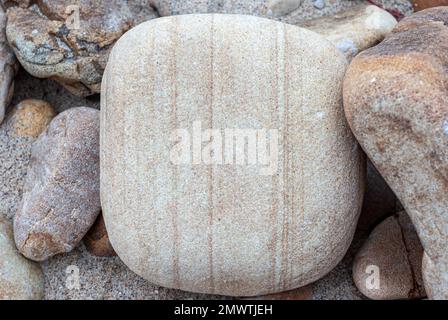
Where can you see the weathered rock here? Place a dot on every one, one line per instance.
(396, 102)
(354, 29)
(8, 68)
(425, 4)
(23, 124)
(50, 43)
(97, 240)
(393, 253)
(379, 202)
(20, 279)
(289, 11)
(61, 192)
(227, 229)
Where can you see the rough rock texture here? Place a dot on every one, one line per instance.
(97, 240)
(393, 247)
(282, 7)
(61, 193)
(23, 124)
(274, 9)
(49, 43)
(425, 4)
(8, 68)
(396, 101)
(354, 29)
(379, 201)
(198, 223)
(20, 279)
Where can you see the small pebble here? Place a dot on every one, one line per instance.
(61, 192)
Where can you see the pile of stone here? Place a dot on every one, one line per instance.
(238, 152)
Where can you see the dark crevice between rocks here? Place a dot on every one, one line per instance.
(415, 291)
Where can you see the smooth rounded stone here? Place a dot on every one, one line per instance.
(20, 279)
(23, 124)
(289, 11)
(396, 102)
(355, 29)
(61, 192)
(425, 4)
(97, 240)
(393, 254)
(30, 117)
(303, 293)
(8, 67)
(379, 202)
(228, 229)
(51, 42)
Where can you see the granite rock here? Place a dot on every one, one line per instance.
(61, 193)
(20, 279)
(205, 225)
(289, 11)
(8, 68)
(396, 102)
(23, 124)
(394, 249)
(51, 42)
(97, 240)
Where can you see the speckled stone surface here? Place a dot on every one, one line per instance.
(396, 102)
(159, 213)
(8, 67)
(20, 279)
(103, 278)
(355, 29)
(23, 124)
(69, 41)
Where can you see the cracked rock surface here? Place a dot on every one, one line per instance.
(8, 68)
(394, 248)
(396, 102)
(50, 44)
(61, 193)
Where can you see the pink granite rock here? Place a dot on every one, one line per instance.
(61, 193)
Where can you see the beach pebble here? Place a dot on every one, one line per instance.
(233, 229)
(396, 104)
(61, 192)
(69, 42)
(23, 124)
(8, 66)
(393, 254)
